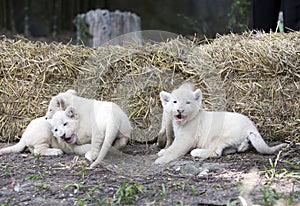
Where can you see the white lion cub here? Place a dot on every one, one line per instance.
(165, 135)
(38, 138)
(102, 123)
(208, 134)
(57, 104)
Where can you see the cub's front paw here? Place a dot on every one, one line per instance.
(161, 152)
(162, 160)
(57, 152)
(54, 152)
(90, 156)
(196, 152)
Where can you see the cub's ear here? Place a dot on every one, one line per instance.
(198, 96)
(164, 97)
(71, 112)
(58, 102)
(71, 91)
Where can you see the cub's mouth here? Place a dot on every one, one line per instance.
(179, 118)
(71, 139)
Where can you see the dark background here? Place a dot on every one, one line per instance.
(36, 18)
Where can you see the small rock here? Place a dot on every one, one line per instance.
(214, 166)
(190, 169)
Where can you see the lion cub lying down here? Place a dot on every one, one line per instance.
(207, 134)
(39, 138)
(85, 120)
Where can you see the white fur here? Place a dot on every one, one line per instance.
(102, 123)
(57, 104)
(39, 138)
(165, 135)
(208, 134)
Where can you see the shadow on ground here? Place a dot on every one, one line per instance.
(132, 178)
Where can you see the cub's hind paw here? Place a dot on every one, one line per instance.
(205, 153)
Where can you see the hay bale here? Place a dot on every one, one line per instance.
(255, 74)
(31, 73)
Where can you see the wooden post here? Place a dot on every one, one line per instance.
(104, 25)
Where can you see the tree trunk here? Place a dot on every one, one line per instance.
(26, 17)
(55, 17)
(104, 26)
(12, 17)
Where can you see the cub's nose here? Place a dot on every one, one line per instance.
(180, 110)
(63, 136)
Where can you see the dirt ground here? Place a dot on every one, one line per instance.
(131, 178)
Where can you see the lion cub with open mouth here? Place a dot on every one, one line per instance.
(102, 123)
(207, 134)
(39, 139)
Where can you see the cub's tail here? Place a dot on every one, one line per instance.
(19, 147)
(261, 146)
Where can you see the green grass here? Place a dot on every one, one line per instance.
(271, 196)
(82, 172)
(163, 192)
(272, 171)
(128, 192)
(36, 176)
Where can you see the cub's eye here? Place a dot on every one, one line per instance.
(55, 130)
(66, 123)
(174, 101)
(188, 102)
(50, 110)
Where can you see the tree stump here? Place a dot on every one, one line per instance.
(103, 26)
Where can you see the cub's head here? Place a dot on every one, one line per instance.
(57, 103)
(65, 125)
(185, 103)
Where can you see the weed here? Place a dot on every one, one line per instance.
(80, 201)
(273, 172)
(89, 195)
(82, 172)
(37, 176)
(128, 192)
(36, 157)
(176, 185)
(76, 186)
(105, 201)
(270, 196)
(179, 203)
(163, 190)
(6, 171)
(194, 190)
(293, 165)
(44, 186)
(183, 186)
(238, 184)
(232, 202)
(216, 186)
